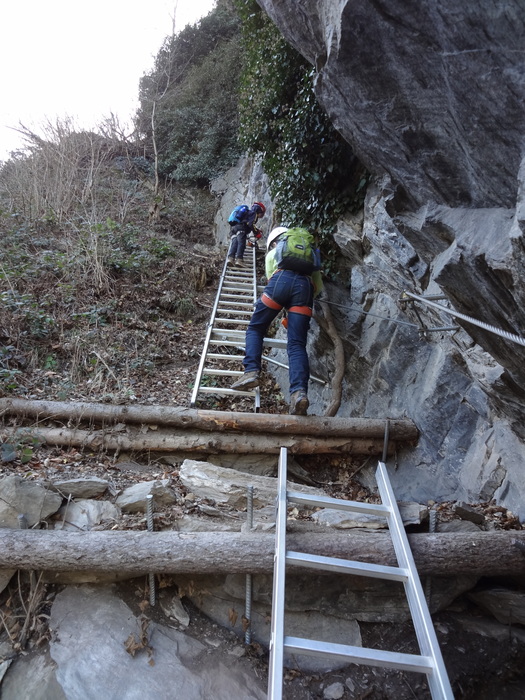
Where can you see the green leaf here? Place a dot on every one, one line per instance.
(26, 455)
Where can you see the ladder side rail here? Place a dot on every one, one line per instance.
(438, 680)
(275, 671)
(207, 339)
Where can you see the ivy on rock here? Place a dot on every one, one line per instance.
(314, 176)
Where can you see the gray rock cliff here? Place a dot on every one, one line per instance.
(430, 96)
(429, 92)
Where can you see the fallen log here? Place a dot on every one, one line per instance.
(197, 442)
(437, 554)
(186, 418)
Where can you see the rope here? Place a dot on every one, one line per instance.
(486, 326)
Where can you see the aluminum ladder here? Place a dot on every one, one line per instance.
(234, 303)
(429, 662)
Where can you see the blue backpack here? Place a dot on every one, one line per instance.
(238, 214)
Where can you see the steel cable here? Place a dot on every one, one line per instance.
(513, 337)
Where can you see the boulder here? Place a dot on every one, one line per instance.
(27, 498)
(507, 605)
(229, 486)
(86, 514)
(411, 514)
(134, 498)
(86, 487)
(100, 649)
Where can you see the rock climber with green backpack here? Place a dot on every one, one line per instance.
(293, 271)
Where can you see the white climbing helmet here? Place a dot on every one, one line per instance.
(275, 234)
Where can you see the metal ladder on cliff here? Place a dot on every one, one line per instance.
(429, 662)
(225, 336)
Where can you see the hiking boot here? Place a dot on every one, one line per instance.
(299, 403)
(249, 380)
(231, 261)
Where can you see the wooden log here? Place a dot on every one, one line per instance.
(212, 421)
(197, 442)
(439, 554)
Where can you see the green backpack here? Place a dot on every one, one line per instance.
(296, 251)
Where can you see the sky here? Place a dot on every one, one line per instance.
(83, 61)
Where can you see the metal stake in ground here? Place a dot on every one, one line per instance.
(149, 520)
(248, 603)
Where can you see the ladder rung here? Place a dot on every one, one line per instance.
(236, 312)
(237, 286)
(363, 655)
(274, 343)
(239, 276)
(337, 503)
(220, 356)
(345, 566)
(228, 332)
(268, 343)
(222, 372)
(236, 296)
(223, 391)
(245, 302)
(228, 343)
(240, 321)
(238, 283)
(232, 337)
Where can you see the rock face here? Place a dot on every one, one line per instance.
(430, 96)
(430, 93)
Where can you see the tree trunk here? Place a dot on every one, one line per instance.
(441, 554)
(327, 323)
(186, 418)
(192, 441)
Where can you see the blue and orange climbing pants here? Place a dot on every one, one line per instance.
(293, 292)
